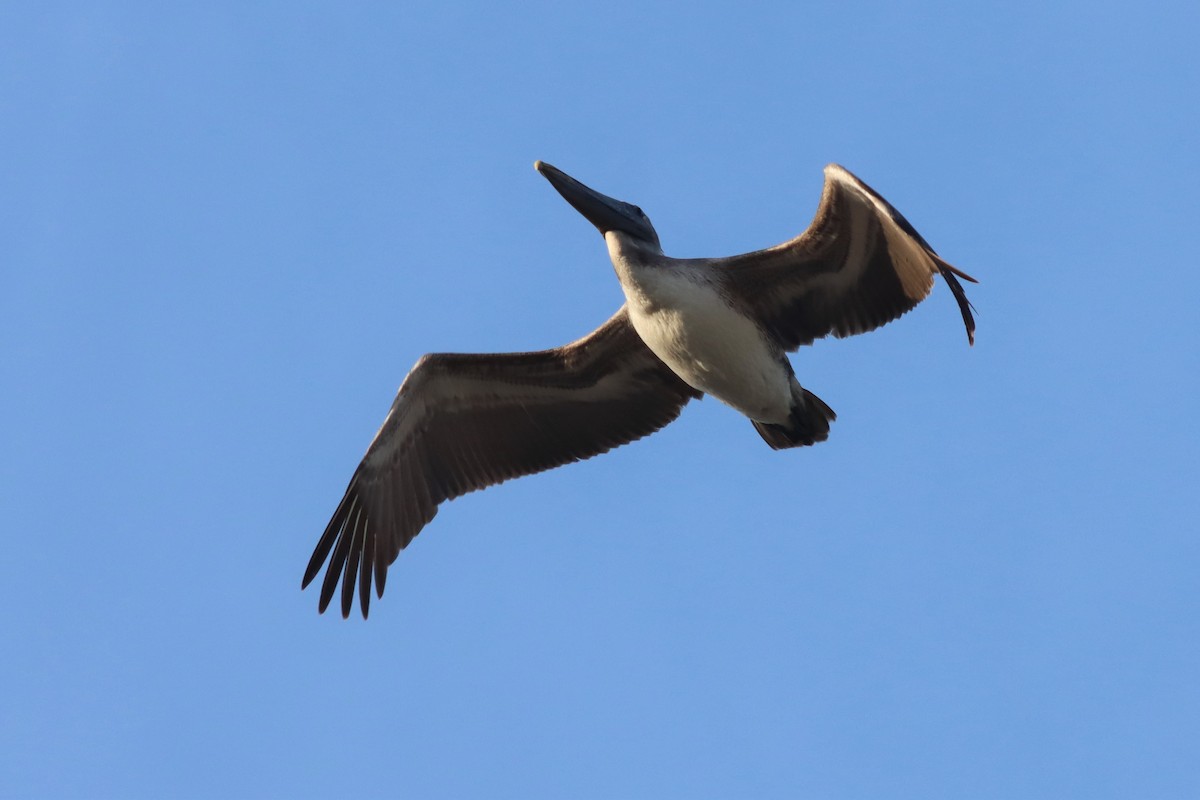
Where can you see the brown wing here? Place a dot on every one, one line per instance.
(462, 422)
(859, 265)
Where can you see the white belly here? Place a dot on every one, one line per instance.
(709, 345)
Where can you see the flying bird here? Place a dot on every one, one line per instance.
(688, 327)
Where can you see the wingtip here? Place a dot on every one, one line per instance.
(380, 576)
(326, 600)
(956, 271)
(964, 305)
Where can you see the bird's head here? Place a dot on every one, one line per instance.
(606, 213)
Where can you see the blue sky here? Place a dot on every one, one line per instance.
(228, 230)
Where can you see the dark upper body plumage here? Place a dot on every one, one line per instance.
(462, 422)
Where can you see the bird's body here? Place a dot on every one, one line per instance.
(679, 310)
(689, 327)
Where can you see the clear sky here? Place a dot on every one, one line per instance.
(227, 230)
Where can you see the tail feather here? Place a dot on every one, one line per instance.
(808, 423)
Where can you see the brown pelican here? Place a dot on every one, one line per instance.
(689, 327)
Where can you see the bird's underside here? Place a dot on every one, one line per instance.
(462, 422)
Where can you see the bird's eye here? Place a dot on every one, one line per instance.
(638, 211)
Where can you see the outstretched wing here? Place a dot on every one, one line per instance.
(462, 422)
(859, 265)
